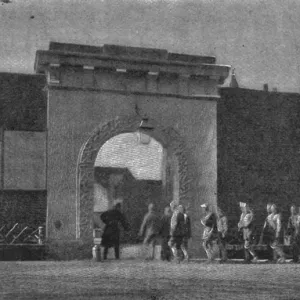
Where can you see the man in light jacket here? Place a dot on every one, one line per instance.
(246, 224)
(149, 230)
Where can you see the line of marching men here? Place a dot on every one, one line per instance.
(174, 232)
(216, 229)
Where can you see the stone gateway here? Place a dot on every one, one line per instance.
(97, 93)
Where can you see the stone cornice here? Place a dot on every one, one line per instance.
(123, 92)
(104, 61)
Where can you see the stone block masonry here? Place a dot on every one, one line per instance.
(93, 93)
(28, 208)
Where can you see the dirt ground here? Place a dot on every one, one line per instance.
(131, 279)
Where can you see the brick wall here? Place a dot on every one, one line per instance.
(24, 165)
(27, 208)
(22, 102)
(258, 151)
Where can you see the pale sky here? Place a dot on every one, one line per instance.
(261, 39)
(125, 151)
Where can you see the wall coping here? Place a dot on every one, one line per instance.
(172, 63)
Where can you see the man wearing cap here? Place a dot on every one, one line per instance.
(293, 231)
(274, 223)
(210, 233)
(246, 225)
(266, 235)
(150, 229)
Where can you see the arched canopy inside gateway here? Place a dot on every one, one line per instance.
(129, 168)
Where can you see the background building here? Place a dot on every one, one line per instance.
(22, 149)
(258, 151)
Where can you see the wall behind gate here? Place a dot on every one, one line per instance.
(28, 208)
(258, 151)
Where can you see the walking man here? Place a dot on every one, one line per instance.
(246, 225)
(210, 233)
(293, 232)
(222, 229)
(111, 236)
(177, 231)
(274, 223)
(150, 230)
(187, 234)
(165, 234)
(266, 235)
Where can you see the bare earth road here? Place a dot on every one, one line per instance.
(129, 279)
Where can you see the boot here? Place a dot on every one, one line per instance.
(247, 256)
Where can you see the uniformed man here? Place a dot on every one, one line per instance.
(293, 231)
(246, 225)
(187, 235)
(210, 233)
(274, 223)
(266, 235)
(222, 230)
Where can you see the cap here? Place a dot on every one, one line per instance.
(173, 204)
(203, 205)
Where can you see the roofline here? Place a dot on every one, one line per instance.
(125, 59)
(256, 91)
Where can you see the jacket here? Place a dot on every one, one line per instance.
(150, 225)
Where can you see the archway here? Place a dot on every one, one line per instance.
(130, 168)
(179, 166)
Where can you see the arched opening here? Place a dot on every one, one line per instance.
(177, 172)
(130, 169)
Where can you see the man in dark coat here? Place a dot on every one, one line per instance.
(222, 223)
(150, 229)
(177, 231)
(165, 234)
(111, 236)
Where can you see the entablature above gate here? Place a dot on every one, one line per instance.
(130, 69)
